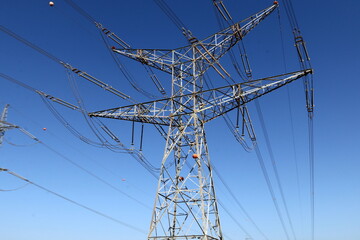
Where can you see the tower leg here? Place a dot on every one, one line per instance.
(186, 205)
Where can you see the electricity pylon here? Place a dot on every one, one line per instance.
(186, 205)
(4, 126)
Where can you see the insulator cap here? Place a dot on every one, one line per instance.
(276, 2)
(181, 179)
(195, 155)
(51, 4)
(113, 48)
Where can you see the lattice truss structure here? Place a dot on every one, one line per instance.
(186, 205)
(4, 126)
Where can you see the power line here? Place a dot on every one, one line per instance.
(29, 44)
(46, 99)
(74, 202)
(41, 93)
(238, 203)
(312, 175)
(120, 147)
(128, 75)
(234, 219)
(80, 10)
(272, 158)
(308, 82)
(290, 113)
(105, 32)
(170, 13)
(99, 164)
(246, 67)
(80, 167)
(14, 189)
(94, 176)
(271, 190)
(80, 73)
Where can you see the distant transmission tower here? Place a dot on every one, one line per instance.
(4, 126)
(186, 206)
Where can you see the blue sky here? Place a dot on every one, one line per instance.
(331, 30)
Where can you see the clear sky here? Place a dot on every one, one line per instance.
(332, 33)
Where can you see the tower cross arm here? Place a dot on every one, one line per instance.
(162, 59)
(211, 103)
(155, 112)
(217, 102)
(6, 126)
(207, 51)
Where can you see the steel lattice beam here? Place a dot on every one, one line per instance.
(208, 51)
(215, 102)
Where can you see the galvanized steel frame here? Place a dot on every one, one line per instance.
(186, 205)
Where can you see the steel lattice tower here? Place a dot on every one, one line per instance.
(186, 205)
(4, 126)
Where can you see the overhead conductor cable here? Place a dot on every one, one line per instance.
(73, 202)
(82, 74)
(116, 39)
